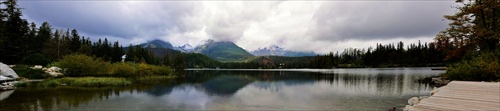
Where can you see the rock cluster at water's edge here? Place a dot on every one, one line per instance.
(414, 101)
(440, 81)
(7, 85)
(53, 71)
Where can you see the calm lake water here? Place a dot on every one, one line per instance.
(300, 89)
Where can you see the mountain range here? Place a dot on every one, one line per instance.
(275, 50)
(220, 50)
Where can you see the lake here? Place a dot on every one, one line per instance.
(297, 89)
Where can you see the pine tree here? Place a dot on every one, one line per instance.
(16, 31)
(2, 33)
(44, 35)
(96, 48)
(32, 39)
(75, 41)
(117, 52)
(51, 48)
(130, 53)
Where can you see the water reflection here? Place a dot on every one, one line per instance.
(159, 90)
(5, 94)
(226, 85)
(342, 89)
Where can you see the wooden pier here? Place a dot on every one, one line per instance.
(462, 95)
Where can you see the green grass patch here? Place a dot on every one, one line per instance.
(87, 81)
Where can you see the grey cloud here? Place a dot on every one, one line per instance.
(338, 21)
(109, 18)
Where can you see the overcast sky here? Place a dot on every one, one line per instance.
(319, 26)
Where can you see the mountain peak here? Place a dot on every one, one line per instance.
(222, 50)
(275, 48)
(157, 43)
(187, 46)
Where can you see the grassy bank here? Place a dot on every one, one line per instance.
(87, 81)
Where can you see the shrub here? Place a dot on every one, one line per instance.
(123, 69)
(138, 70)
(144, 70)
(162, 70)
(76, 65)
(485, 67)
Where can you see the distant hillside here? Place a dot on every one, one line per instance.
(196, 60)
(157, 44)
(159, 48)
(278, 51)
(160, 52)
(223, 51)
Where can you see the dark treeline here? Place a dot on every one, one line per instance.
(22, 42)
(389, 55)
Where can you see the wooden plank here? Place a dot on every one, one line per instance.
(430, 108)
(472, 93)
(465, 103)
(491, 88)
(454, 94)
(470, 97)
(472, 88)
(463, 95)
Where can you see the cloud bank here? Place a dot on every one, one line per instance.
(319, 26)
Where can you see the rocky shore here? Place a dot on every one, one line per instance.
(414, 101)
(439, 81)
(7, 85)
(7, 77)
(436, 81)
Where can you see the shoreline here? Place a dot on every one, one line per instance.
(436, 81)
